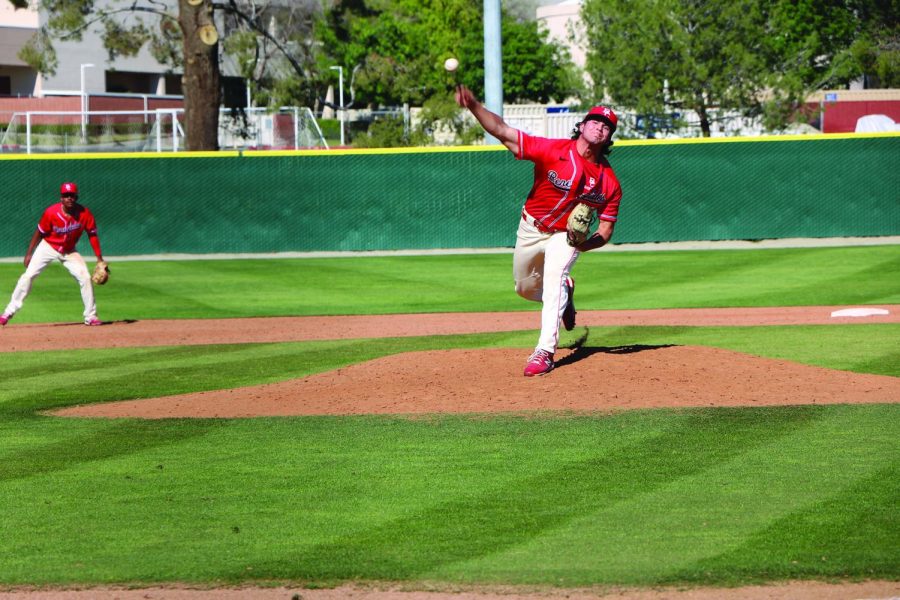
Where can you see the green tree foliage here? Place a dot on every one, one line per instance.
(757, 57)
(396, 50)
(658, 57)
(38, 52)
(534, 69)
(826, 44)
(803, 38)
(875, 52)
(392, 51)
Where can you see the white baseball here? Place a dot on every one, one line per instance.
(451, 64)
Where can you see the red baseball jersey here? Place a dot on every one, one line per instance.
(63, 231)
(562, 179)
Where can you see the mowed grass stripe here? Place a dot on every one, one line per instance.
(84, 444)
(301, 481)
(671, 533)
(485, 525)
(850, 534)
(466, 283)
(561, 501)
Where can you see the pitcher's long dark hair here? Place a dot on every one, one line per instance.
(607, 149)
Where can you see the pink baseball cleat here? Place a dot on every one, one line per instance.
(539, 363)
(93, 321)
(4, 320)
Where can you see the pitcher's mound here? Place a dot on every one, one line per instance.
(491, 381)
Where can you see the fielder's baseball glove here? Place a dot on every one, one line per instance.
(578, 227)
(101, 273)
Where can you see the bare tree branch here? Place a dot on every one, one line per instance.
(255, 25)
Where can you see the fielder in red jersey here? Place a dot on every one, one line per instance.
(58, 231)
(566, 173)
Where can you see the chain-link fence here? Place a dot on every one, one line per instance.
(398, 199)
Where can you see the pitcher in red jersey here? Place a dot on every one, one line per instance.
(566, 172)
(57, 234)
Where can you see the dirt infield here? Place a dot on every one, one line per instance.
(482, 381)
(119, 334)
(491, 381)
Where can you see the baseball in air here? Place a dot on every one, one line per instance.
(451, 64)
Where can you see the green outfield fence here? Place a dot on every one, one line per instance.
(261, 202)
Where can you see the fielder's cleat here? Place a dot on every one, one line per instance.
(93, 322)
(4, 319)
(539, 363)
(568, 316)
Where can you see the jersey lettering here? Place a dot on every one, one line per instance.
(67, 228)
(594, 197)
(558, 182)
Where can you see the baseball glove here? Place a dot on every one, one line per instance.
(578, 227)
(101, 273)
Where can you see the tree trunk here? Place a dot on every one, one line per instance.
(202, 89)
(703, 114)
(704, 121)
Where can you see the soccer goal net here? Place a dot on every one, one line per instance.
(161, 130)
(286, 128)
(37, 132)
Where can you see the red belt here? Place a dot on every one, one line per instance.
(535, 223)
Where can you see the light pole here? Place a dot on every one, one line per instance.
(493, 62)
(84, 103)
(340, 71)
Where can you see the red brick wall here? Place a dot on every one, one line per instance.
(112, 103)
(8, 106)
(107, 103)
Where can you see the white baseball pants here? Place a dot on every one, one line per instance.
(43, 255)
(541, 264)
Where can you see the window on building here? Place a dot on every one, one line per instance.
(173, 85)
(124, 82)
(5, 85)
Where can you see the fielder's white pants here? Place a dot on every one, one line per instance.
(43, 255)
(541, 264)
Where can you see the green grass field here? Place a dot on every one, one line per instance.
(680, 497)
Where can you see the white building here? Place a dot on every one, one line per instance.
(79, 62)
(84, 66)
(563, 21)
(16, 27)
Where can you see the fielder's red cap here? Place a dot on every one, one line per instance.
(603, 113)
(68, 188)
